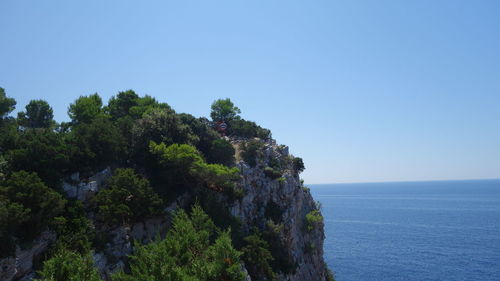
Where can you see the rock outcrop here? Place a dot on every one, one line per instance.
(287, 194)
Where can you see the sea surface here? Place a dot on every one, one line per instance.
(443, 230)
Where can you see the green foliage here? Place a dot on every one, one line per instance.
(85, 109)
(185, 167)
(282, 261)
(6, 104)
(74, 231)
(221, 152)
(38, 114)
(12, 215)
(95, 144)
(120, 105)
(257, 257)
(193, 250)
(272, 173)
(42, 151)
(161, 125)
(66, 265)
(251, 152)
(127, 198)
(313, 219)
(202, 128)
(247, 129)
(298, 164)
(27, 205)
(224, 110)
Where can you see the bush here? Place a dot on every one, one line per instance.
(313, 219)
(251, 152)
(221, 152)
(298, 164)
(247, 129)
(185, 167)
(69, 266)
(187, 253)
(127, 198)
(257, 257)
(27, 205)
(272, 173)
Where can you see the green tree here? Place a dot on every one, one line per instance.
(257, 257)
(42, 151)
(202, 128)
(96, 144)
(224, 110)
(127, 198)
(120, 105)
(298, 164)
(251, 152)
(221, 152)
(12, 215)
(187, 253)
(85, 109)
(6, 104)
(160, 125)
(34, 202)
(69, 266)
(38, 114)
(184, 164)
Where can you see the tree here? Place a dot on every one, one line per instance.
(69, 266)
(257, 257)
(194, 249)
(127, 198)
(6, 104)
(298, 164)
(38, 114)
(36, 204)
(184, 164)
(120, 105)
(96, 144)
(221, 152)
(224, 110)
(42, 151)
(85, 109)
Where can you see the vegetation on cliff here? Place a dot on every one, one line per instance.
(156, 155)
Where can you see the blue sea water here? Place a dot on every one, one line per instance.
(443, 230)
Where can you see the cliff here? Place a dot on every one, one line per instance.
(273, 201)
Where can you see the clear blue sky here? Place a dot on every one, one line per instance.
(362, 90)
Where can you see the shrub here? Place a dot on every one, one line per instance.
(127, 198)
(251, 152)
(298, 164)
(257, 257)
(221, 152)
(187, 253)
(313, 219)
(247, 129)
(272, 173)
(27, 205)
(69, 266)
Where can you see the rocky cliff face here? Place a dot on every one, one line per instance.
(275, 200)
(294, 201)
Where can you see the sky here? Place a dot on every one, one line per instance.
(363, 91)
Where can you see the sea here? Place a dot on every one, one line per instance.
(403, 231)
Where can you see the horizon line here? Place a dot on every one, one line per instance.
(405, 181)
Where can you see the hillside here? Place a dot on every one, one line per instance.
(133, 190)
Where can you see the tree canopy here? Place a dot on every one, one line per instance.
(6, 104)
(224, 110)
(38, 114)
